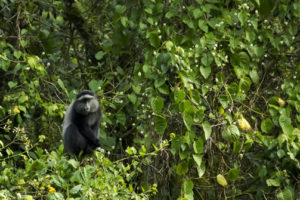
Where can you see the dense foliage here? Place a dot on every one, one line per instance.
(200, 98)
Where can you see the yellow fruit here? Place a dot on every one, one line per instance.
(51, 189)
(29, 198)
(16, 110)
(221, 180)
(281, 102)
(21, 182)
(244, 124)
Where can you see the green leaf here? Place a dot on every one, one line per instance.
(197, 13)
(33, 62)
(59, 181)
(188, 22)
(245, 84)
(95, 85)
(224, 100)
(124, 21)
(179, 95)
(12, 84)
(273, 182)
(203, 25)
(73, 163)
(188, 120)
(164, 89)
(242, 16)
(198, 146)
(76, 177)
(280, 153)
(62, 86)
(154, 40)
(207, 59)
(262, 172)
(188, 106)
(148, 10)
(207, 129)
(160, 124)
(188, 187)
(233, 174)
(147, 70)
(257, 2)
(157, 104)
(99, 55)
(250, 36)
(17, 54)
(266, 125)
(182, 168)
(132, 98)
(205, 71)
(76, 189)
(195, 96)
(254, 76)
(163, 61)
(121, 118)
(240, 62)
(201, 170)
(23, 98)
(197, 159)
(286, 194)
(231, 133)
(285, 124)
(137, 88)
(169, 45)
(296, 9)
(120, 9)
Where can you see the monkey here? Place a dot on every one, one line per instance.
(81, 124)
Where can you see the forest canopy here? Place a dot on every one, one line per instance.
(200, 99)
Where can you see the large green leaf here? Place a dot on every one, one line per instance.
(198, 146)
(205, 71)
(240, 62)
(286, 194)
(266, 125)
(157, 104)
(207, 59)
(197, 159)
(273, 182)
(285, 124)
(201, 170)
(207, 129)
(95, 85)
(160, 124)
(188, 187)
(245, 84)
(132, 98)
(182, 168)
(231, 133)
(179, 95)
(188, 120)
(202, 25)
(233, 174)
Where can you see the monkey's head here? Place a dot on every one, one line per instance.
(86, 102)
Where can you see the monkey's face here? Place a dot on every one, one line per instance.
(86, 105)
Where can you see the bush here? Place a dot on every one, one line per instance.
(219, 80)
(43, 175)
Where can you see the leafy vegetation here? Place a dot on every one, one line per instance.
(200, 98)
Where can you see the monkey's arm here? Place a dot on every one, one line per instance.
(88, 133)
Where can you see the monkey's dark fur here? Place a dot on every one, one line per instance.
(81, 124)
